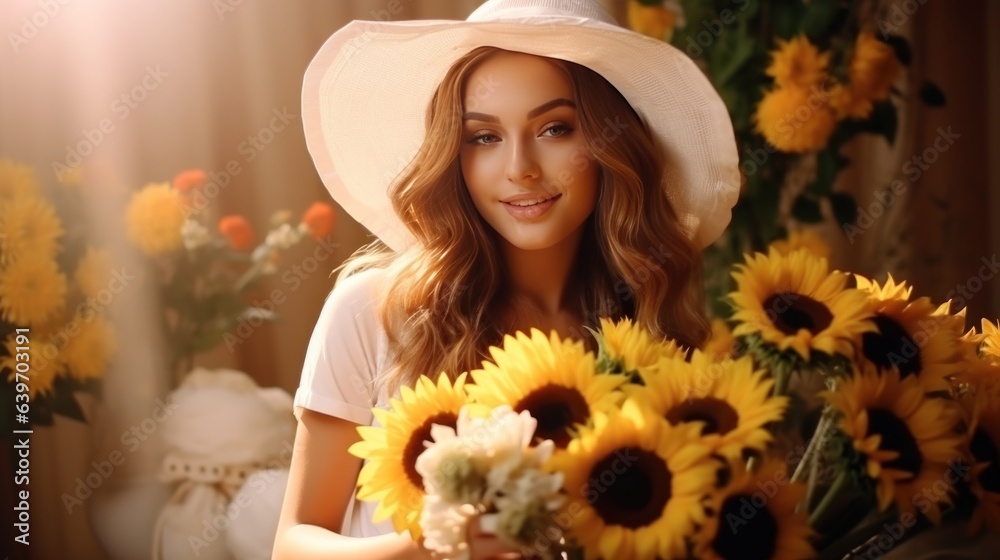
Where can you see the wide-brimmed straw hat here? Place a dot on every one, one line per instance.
(366, 92)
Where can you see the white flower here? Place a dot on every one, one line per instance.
(282, 237)
(194, 234)
(444, 527)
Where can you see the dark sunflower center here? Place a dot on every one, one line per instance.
(985, 450)
(746, 531)
(629, 487)
(556, 408)
(791, 312)
(896, 436)
(416, 444)
(717, 414)
(891, 346)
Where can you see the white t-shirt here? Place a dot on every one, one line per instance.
(346, 353)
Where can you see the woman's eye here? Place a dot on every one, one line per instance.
(558, 130)
(484, 138)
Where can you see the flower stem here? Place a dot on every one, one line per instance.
(831, 494)
(819, 437)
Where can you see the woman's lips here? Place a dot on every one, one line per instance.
(530, 212)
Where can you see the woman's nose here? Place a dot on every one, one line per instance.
(522, 162)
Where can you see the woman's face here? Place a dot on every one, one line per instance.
(523, 155)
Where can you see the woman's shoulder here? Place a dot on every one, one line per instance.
(353, 299)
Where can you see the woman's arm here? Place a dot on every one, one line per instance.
(320, 483)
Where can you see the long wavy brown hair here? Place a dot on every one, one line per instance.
(444, 301)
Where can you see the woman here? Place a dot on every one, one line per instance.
(565, 169)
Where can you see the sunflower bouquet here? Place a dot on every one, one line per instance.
(834, 408)
(55, 298)
(206, 269)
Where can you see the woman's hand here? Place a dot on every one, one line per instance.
(484, 545)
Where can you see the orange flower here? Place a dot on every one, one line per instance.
(237, 230)
(192, 179)
(319, 218)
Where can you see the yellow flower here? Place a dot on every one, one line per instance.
(635, 484)
(798, 63)
(795, 120)
(982, 415)
(991, 340)
(153, 219)
(28, 224)
(555, 380)
(628, 348)
(42, 370)
(803, 239)
(389, 475)
(795, 303)
(906, 441)
(32, 290)
(89, 351)
(754, 517)
(657, 22)
(93, 271)
(911, 337)
(16, 181)
(720, 344)
(873, 67)
(847, 102)
(729, 401)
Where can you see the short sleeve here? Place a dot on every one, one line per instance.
(342, 358)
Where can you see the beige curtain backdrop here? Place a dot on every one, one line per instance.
(216, 72)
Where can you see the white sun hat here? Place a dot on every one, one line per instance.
(366, 92)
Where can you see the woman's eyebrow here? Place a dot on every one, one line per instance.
(547, 106)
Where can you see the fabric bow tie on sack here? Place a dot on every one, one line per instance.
(228, 450)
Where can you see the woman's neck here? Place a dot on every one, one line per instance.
(542, 278)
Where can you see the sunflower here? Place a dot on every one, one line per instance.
(990, 347)
(389, 475)
(803, 239)
(635, 484)
(754, 517)
(847, 102)
(794, 120)
(16, 181)
(912, 336)
(154, 217)
(794, 302)
(729, 401)
(93, 271)
(555, 380)
(28, 225)
(88, 352)
(721, 343)
(798, 63)
(656, 21)
(873, 67)
(43, 371)
(905, 442)
(32, 290)
(982, 413)
(628, 348)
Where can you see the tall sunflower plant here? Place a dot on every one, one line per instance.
(55, 322)
(646, 449)
(800, 79)
(205, 267)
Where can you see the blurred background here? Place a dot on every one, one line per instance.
(106, 99)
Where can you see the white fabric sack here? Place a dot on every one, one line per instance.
(251, 534)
